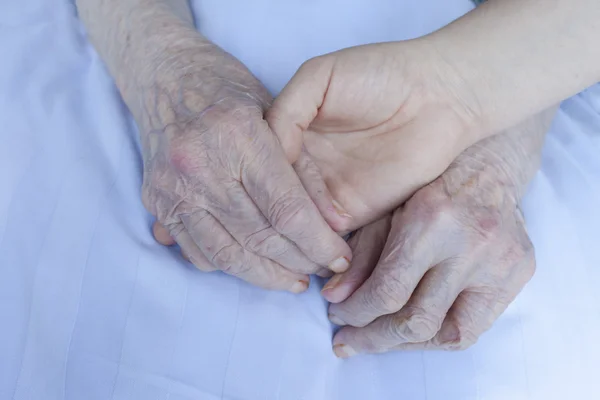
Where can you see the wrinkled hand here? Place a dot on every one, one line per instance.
(438, 272)
(216, 178)
(378, 121)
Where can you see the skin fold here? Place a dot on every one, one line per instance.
(443, 266)
(438, 271)
(379, 121)
(421, 145)
(215, 175)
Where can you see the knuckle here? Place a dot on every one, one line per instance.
(418, 326)
(312, 65)
(520, 254)
(391, 294)
(187, 156)
(266, 242)
(488, 223)
(225, 259)
(430, 207)
(288, 212)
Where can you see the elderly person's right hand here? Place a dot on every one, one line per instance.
(216, 178)
(215, 175)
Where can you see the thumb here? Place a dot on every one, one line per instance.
(298, 104)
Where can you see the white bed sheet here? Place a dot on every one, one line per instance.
(92, 308)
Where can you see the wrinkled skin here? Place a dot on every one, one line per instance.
(216, 178)
(439, 271)
(380, 122)
(442, 268)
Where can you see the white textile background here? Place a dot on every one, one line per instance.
(92, 308)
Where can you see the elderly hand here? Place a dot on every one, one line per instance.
(379, 121)
(440, 271)
(216, 177)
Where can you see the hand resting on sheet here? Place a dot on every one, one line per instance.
(442, 268)
(214, 174)
(378, 126)
(367, 127)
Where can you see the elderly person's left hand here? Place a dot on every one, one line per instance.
(440, 271)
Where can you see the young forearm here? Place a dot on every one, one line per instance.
(519, 57)
(132, 37)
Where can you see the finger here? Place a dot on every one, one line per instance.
(475, 311)
(191, 252)
(161, 234)
(405, 259)
(331, 210)
(366, 244)
(185, 256)
(472, 314)
(249, 227)
(298, 104)
(419, 321)
(226, 254)
(275, 188)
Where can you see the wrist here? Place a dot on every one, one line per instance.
(132, 37)
(512, 65)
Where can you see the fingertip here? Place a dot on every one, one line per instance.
(327, 294)
(340, 223)
(343, 351)
(337, 294)
(300, 286)
(162, 235)
(333, 291)
(343, 344)
(340, 264)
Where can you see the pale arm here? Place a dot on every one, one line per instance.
(131, 37)
(519, 57)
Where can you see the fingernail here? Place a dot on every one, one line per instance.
(335, 320)
(332, 283)
(299, 287)
(343, 351)
(340, 210)
(340, 265)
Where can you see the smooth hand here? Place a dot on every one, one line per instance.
(216, 178)
(438, 272)
(377, 122)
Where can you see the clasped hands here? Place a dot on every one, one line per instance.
(382, 140)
